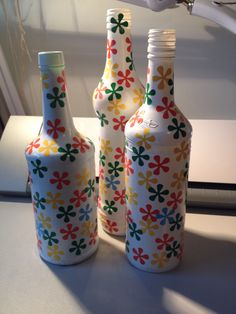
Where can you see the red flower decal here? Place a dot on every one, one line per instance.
(125, 78)
(149, 213)
(164, 242)
(110, 48)
(61, 80)
(120, 197)
(100, 91)
(111, 226)
(60, 179)
(101, 173)
(93, 238)
(129, 217)
(69, 232)
(129, 42)
(120, 154)
(129, 169)
(168, 108)
(120, 123)
(176, 198)
(32, 145)
(159, 165)
(136, 118)
(80, 143)
(79, 198)
(139, 256)
(54, 128)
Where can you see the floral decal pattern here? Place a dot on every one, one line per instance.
(63, 191)
(118, 95)
(156, 168)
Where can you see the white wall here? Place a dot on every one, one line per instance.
(205, 67)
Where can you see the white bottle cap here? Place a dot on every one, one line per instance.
(51, 58)
(161, 43)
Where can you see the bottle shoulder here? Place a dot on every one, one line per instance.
(147, 124)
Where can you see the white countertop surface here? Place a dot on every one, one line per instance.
(106, 283)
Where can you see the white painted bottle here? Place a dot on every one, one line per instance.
(61, 167)
(118, 95)
(158, 147)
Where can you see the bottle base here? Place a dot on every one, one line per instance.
(153, 269)
(80, 259)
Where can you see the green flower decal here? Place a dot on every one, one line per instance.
(127, 245)
(56, 97)
(90, 188)
(172, 250)
(68, 152)
(148, 94)
(102, 158)
(39, 201)
(66, 213)
(131, 61)
(139, 155)
(114, 92)
(50, 237)
(109, 208)
(177, 128)
(119, 24)
(158, 193)
(134, 232)
(39, 169)
(115, 168)
(186, 170)
(176, 223)
(102, 118)
(77, 247)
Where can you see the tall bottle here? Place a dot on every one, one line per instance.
(118, 95)
(62, 174)
(157, 157)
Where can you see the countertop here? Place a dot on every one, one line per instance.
(205, 282)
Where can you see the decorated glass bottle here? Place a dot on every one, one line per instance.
(62, 173)
(157, 152)
(118, 95)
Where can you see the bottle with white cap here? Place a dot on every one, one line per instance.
(62, 174)
(158, 139)
(118, 95)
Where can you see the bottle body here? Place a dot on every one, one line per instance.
(62, 174)
(118, 95)
(158, 139)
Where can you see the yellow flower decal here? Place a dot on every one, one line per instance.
(182, 151)
(83, 177)
(105, 146)
(47, 147)
(131, 196)
(44, 78)
(87, 228)
(55, 253)
(159, 259)
(145, 139)
(139, 96)
(54, 200)
(110, 69)
(45, 221)
(149, 226)
(116, 106)
(163, 77)
(147, 179)
(102, 187)
(179, 179)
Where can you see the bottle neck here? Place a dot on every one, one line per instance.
(160, 80)
(57, 119)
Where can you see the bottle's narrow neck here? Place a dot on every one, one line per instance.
(160, 80)
(57, 120)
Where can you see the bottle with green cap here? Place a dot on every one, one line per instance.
(62, 174)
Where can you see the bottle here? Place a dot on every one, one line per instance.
(118, 95)
(157, 159)
(62, 174)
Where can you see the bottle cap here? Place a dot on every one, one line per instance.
(51, 58)
(121, 15)
(161, 43)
